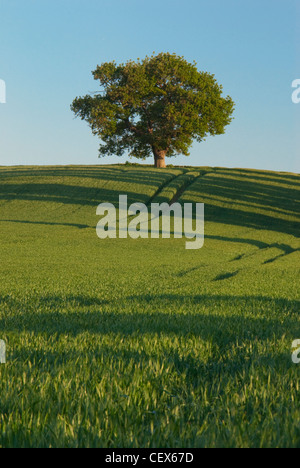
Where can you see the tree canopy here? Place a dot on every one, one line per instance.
(157, 105)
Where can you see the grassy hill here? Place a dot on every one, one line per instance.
(141, 343)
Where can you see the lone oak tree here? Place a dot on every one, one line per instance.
(158, 105)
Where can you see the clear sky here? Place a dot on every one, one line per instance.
(48, 49)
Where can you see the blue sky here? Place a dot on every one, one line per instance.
(48, 49)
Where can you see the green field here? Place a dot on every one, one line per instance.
(142, 343)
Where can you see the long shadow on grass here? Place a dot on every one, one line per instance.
(251, 192)
(101, 173)
(67, 194)
(220, 194)
(261, 176)
(286, 249)
(236, 332)
(251, 317)
(44, 223)
(34, 188)
(264, 205)
(254, 220)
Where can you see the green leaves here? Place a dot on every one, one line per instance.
(160, 103)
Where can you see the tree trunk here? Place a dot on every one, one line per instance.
(159, 157)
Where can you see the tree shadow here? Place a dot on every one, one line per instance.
(152, 316)
(231, 347)
(263, 204)
(285, 248)
(44, 223)
(67, 194)
(258, 221)
(277, 177)
(101, 173)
